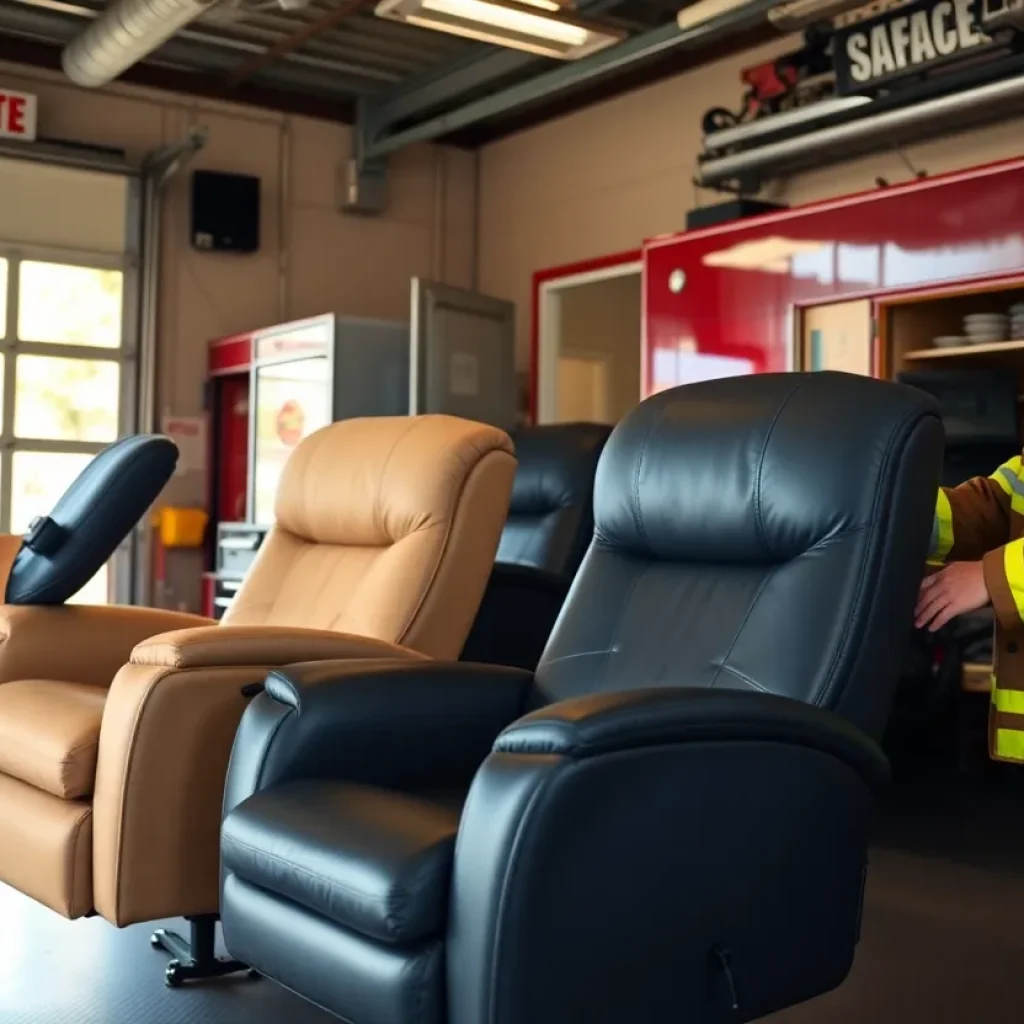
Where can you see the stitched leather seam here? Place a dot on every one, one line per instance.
(743, 677)
(123, 801)
(265, 756)
(743, 622)
(758, 519)
(613, 647)
(824, 542)
(514, 855)
(638, 520)
(75, 832)
(378, 500)
(445, 544)
(825, 691)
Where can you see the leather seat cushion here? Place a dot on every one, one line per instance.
(377, 862)
(50, 734)
(45, 850)
(354, 977)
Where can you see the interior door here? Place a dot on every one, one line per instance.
(463, 359)
(838, 337)
(582, 390)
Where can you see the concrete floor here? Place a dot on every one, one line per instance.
(943, 939)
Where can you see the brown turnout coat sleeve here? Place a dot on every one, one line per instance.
(983, 520)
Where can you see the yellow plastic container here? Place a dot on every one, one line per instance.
(181, 527)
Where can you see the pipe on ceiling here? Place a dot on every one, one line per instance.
(125, 33)
(969, 108)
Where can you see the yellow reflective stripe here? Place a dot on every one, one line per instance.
(1007, 474)
(1008, 479)
(942, 530)
(1011, 702)
(1013, 566)
(1010, 744)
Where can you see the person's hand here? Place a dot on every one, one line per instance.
(955, 590)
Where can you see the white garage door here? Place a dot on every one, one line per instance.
(67, 362)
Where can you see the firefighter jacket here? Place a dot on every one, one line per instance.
(983, 519)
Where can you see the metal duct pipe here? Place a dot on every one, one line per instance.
(123, 34)
(994, 101)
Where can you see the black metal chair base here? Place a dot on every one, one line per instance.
(195, 958)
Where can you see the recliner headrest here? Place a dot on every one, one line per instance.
(370, 481)
(734, 470)
(556, 466)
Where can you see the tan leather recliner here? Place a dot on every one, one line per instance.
(111, 774)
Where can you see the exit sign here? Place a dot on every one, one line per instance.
(17, 115)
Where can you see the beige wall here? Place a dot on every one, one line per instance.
(313, 259)
(606, 178)
(602, 320)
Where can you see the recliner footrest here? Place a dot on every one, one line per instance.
(374, 861)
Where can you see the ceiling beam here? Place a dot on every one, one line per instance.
(345, 10)
(384, 137)
(433, 89)
(484, 132)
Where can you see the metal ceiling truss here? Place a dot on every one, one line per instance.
(388, 122)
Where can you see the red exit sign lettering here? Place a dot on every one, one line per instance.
(17, 115)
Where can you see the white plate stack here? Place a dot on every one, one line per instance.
(1017, 321)
(986, 328)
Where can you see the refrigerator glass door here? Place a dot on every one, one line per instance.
(291, 400)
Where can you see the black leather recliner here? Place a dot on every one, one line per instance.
(669, 820)
(549, 528)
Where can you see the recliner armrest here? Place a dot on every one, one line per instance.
(727, 829)
(411, 726)
(78, 642)
(606, 723)
(237, 646)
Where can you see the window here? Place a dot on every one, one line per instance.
(69, 305)
(61, 342)
(64, 399)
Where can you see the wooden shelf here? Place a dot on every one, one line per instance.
(965, 350)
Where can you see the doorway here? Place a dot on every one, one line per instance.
(590, 345)
(67, 354)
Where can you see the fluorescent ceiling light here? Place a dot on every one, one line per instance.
(771, 255)
(706, 10)
(537, 26)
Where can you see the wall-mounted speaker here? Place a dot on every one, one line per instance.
(225, 212)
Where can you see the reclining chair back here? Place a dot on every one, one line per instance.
(371, 539)
(549, 528)
(744, 554)
(63, 550)
(551, 515)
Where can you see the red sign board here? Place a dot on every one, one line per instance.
(17, 115)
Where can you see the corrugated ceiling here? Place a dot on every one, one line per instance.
(331, 53)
